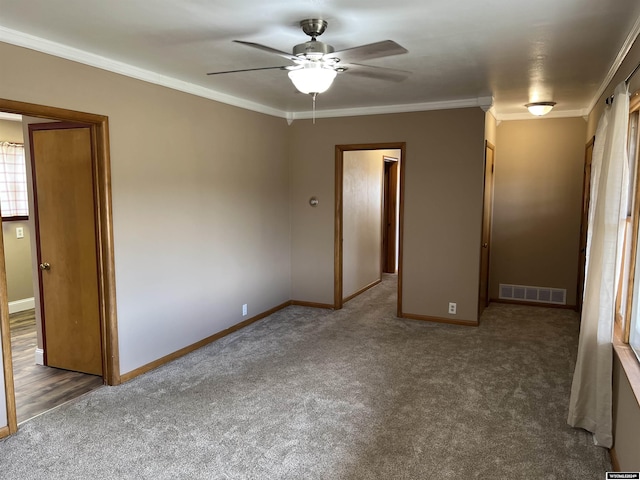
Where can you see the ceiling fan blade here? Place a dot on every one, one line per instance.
(379, 73)
(385, 48)
(264, 48)
(248, 70)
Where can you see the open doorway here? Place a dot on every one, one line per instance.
(368, 217)
(95, 129)
(38, 384)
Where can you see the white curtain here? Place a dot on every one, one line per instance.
(590, 405)
(13, 180)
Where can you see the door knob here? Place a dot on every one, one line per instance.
(485, 245)
(45, 266)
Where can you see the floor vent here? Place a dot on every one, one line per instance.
(533, 294)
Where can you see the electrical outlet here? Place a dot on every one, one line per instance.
(245, 310)
(19, 232)
(452, 308)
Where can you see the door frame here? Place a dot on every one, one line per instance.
(584, 222)
(338, 218)
(389, 213)
(486, 276)
(99, 125)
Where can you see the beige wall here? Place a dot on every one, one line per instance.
(626, 421)
(362, 219)
(200, 202)
(490, 128)
(10, 131)
(17, 252)
(442, 205)
(537, 198)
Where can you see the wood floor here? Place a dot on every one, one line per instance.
(39, 388)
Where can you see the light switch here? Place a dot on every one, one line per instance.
(19, 232)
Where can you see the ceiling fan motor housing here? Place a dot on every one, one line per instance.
(313, 49)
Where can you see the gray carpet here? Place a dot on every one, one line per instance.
(315, 394)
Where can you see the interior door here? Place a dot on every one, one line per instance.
(61, 156)
(584, 223)
(487, 207)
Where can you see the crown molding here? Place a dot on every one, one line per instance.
(486, 103)
(482, 102)
(12, 117)
(552, 114)
(38, 44)
(617, 63)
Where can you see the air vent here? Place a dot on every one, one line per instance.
(525, 293)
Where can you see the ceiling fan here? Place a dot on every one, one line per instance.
(315, 64)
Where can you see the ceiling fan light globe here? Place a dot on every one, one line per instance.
(312, 79)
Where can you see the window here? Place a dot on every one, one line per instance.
(13, 182)
(630, 291)
(634, 334)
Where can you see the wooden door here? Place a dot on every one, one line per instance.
(389, 220)
(63, 178)
(584, 223)
(485, 247)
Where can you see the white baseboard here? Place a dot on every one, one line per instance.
(22, 305)
(39, 356)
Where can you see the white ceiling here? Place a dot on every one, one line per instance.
(460, 53)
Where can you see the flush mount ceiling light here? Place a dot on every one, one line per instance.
(540, 108)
